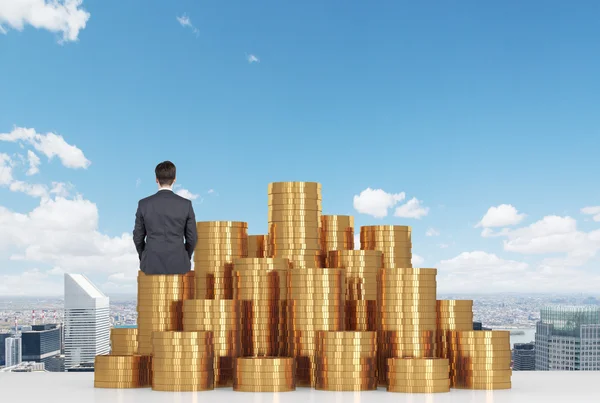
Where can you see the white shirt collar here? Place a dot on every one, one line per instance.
(165, 188)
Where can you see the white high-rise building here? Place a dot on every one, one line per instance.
(13, 351)
(87, 323)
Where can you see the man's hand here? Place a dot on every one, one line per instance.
(139, 232)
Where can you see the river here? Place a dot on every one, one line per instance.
(521, 338)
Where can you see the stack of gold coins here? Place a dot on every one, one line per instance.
(316, 302)
(294, 222)
(264, 374)
(361, 268)
(219, 244)
(452, 315)
(407, 320)
(120, 372)
(418, 375)
(260, 286)
(223, 319)
(480, 359)
(257, 245)
(182, 361)
(123, 341)
(393, 240)
(160, 305)
(346, 361)
(337, 233)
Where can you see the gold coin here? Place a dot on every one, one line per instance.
(273, 388)
(118, 385)
(418, 389)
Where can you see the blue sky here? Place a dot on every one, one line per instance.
(463, 106)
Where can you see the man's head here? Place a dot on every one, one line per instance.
(165, 174)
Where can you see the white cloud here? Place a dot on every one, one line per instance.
(29, 283)
(34, 190)
(186, 193)
(34, 163)
(185, 21)
(482, 272)
(432, 232)
(252, 58)
(376, 202)
(412, 209)
(138, 182)
(443, 245)
(6, 176)
(417, 260)
(211, 191)
(58, 16)
(593, 211)
(51, 145)
(502, 216)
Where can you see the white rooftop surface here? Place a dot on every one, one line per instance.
(530, 387)
(81, 293)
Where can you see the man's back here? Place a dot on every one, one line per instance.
(161, 222)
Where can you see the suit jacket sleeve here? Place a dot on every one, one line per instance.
(139, 232)
(191, 236)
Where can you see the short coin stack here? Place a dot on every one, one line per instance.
(418, 375)
(361, 268)
(182, 361)
(260, 286)
(346, 361)
(121, 372)
(452, 315)
(407, 320)
(123, 341)
(223, 319)
(316, 302)
(257, 245)
(219, 244)
(480, 359)
(160, 305)
(294, 222)
(264, 374)
(393, 240)
(337, 233)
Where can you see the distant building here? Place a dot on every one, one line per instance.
(83, 367)
(567, 338)
(41, 343)
(87, 321)
(26, 367)
(3, 337)
(56, 363)
(524, 357)
(13, 351)
(477, 326)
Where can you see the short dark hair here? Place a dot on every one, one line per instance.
(165, 173)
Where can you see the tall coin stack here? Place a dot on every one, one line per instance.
(223, 319)
(182, 361)
(407, 320)
(418, 375)
(452, 315)
(219, 244)
(121, 372)
(316, 302)
(393, 240)
(294, 222)
(346, 361)
(257, 245)
(337, 233)
(480, 359)
(123, 341)
(264, 374)
(260, 286)
(160, 305)
(361, 267)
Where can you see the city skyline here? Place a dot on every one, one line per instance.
(472, 123)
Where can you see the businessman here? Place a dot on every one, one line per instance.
(162, 221)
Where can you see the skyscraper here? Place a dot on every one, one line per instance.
(524, 357)
(13, 351)
(41, 343)
(3, 337)
(87, 323)
(567, 338)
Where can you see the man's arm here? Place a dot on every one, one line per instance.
(191, 236)
(139, 232)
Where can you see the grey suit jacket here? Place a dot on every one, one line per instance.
(161, 223)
